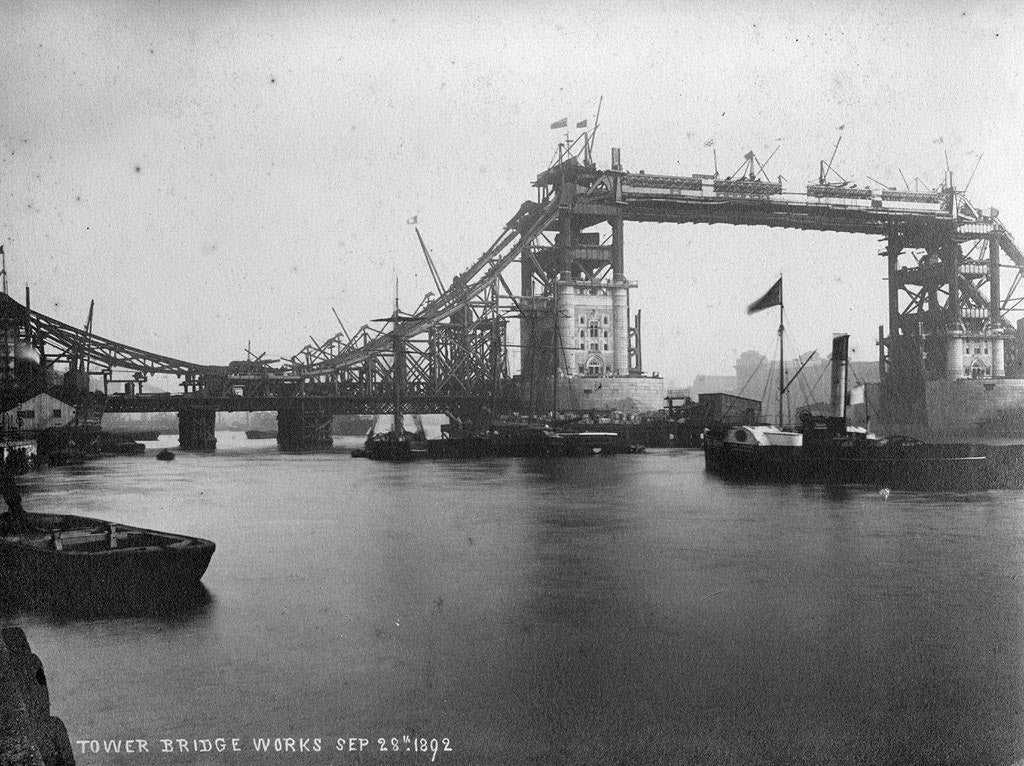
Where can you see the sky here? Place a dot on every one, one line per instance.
(219, 173)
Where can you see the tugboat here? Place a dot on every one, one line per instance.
(827, 450)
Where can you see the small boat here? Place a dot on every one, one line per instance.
(396, 438)
(165, 454)
(257, 434)
(139, 436)
(57, 556)
(599, 443)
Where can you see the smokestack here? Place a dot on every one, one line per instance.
(840, 355)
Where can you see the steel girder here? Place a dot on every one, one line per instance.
(453, 345)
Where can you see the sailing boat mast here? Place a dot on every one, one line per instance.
(397, 367)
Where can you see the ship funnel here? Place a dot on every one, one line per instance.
(840, 357)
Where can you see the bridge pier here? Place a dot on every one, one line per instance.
(304, 430)
(196, 430)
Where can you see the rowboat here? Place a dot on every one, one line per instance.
(56, 556)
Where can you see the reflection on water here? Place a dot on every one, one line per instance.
(599, 610)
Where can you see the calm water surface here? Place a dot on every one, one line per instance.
(586, 611)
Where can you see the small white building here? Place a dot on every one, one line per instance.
(39, 413)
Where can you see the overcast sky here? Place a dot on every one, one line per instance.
(212, 173)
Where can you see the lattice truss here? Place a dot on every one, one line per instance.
(968, 279)
(452, 345)
(60, 343)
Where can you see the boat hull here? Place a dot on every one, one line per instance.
(256, 434)
(154, 564)
(938, 467)
(395, 450)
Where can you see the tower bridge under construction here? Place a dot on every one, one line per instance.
(954, 287)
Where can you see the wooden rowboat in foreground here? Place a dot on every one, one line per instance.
(55, 556)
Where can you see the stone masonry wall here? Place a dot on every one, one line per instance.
(29, 735)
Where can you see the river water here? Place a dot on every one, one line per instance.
(626, 609)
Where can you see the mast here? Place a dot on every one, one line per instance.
(397, 368)
(782, 371)
(774, 298)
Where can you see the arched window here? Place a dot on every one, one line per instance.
(977, 369)
(594, 365)
(594, 327)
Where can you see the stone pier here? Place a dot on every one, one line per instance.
(303, 430)
(196, 430)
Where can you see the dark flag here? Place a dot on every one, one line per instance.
(771, 298)
(560, 124)
(581, 124)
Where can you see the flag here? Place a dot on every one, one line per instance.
(414, 219)
(709, 142)
(856, 395)
(562, 123)
(771, 298)
(841, 126)
(581, 124)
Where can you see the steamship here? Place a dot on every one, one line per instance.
(825, 449)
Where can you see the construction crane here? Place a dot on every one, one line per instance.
(430, 263)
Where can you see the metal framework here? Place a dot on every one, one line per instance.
(953, 270)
